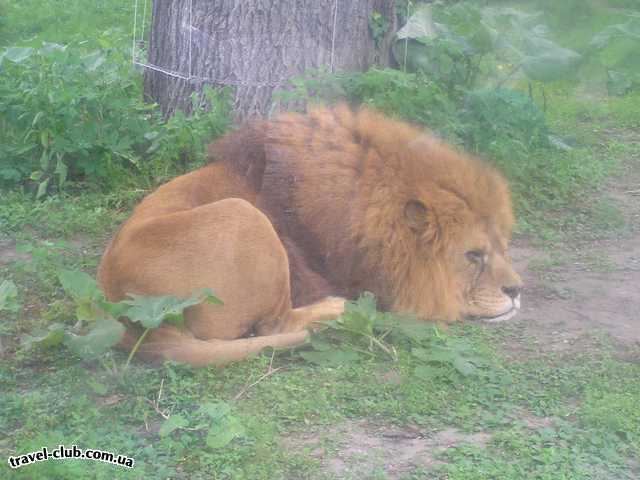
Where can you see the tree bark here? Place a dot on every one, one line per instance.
(256, 46)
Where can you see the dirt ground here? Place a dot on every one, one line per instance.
(595, 290)
(591, 289)
(592, 292)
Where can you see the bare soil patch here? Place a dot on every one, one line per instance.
(596, 293)
(358, 449)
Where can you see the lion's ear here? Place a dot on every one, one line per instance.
(419, 218)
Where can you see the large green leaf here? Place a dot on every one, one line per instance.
(52, 337)
(545, 60)
(9, 297)
(223, 432)
(85, 292)
(79, 285)
(333, 357)
(150, 312)
(174, 422)
(215, 410)
(551, 66)
(105, 334)
(225, 426)
(419, 25)
(628, 30)
(618, 83)
(18, 54)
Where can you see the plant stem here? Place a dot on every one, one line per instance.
(135, 348)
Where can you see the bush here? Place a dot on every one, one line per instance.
(67, 115)
(410, 96)
(507, 116)
(70, 115)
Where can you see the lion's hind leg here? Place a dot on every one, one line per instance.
(230, 247)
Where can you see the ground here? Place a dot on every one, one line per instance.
(558, 401)
(573, 298)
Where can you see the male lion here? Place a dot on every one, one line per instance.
(300, 211)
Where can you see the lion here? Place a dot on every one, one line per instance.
(296, 214)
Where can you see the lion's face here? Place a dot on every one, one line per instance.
(463, 245)
(490, 288)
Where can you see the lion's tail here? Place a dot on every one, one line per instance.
(177, 346)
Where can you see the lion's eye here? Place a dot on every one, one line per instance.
(475, 256)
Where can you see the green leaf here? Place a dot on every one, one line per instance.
(42, 188)
(332, 357)
(222, 434)
(427, 372)
(61, 170)
(97, 387)
(150, 312)
(18, 54)
(172, 423)
(105, 334)
(93, 61)
(419, 25)
(79, 285)
(52, 337)
(48, 48)
(547, 61)
(9, 297)
(116, 310)
(215, 410)
(464, 367)
(628, 30)
(85, 292)
(618, 83)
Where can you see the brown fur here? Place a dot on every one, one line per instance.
(307, 206)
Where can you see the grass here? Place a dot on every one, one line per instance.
(56, 22)
(545, 415)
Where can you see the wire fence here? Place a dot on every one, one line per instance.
(139, 46)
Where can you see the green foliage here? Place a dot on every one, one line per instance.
(411, 96)
(503, 116)
(378, 25)
(447, 44)
(217, 419)
(98, 318)
(150, 312)
(362, 332)
(178, 143)
(68, 115)
(9, 297)
(71, 115)
(459, 45)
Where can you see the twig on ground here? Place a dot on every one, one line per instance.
(156, 403)
(270, 371)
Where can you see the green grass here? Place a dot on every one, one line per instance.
(30, 22)
(589, 403)
(546, 415)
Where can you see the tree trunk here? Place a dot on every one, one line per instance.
(256, 46)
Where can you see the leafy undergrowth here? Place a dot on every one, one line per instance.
(546, 417)
(181, 422)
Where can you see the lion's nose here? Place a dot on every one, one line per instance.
(513, 291)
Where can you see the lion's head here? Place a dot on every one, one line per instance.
(437, 223)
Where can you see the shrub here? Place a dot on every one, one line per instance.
(502, 115)
(70, 115)
(67, 115)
